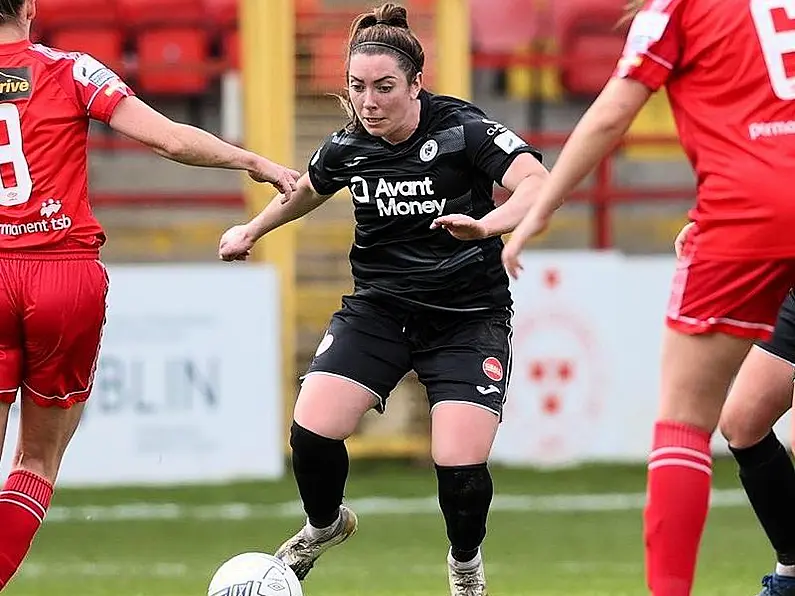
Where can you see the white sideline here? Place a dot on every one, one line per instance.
(561, 503)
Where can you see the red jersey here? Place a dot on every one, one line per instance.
(729, 70)
(47, 98)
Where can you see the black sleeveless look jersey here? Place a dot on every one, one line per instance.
(447, 166)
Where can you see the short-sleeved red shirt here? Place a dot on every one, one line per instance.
(729, 70)
(47, 98)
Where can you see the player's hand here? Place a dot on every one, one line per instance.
(681, 238)
(510, 258)
(236, 244)
(461, 227)
(532, 225)
(283, 178)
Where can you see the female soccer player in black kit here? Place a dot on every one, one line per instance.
(430, 292)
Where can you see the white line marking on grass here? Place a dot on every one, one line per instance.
(370, 506)
(33, 569)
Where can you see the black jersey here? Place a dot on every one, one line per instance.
(449, 165)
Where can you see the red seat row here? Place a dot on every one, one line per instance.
(165, 61)
(59, 13)
(171, 39)
(583, 31)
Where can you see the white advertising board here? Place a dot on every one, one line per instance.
(188, 386)
(587, 335)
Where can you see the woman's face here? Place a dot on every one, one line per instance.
(382, 97)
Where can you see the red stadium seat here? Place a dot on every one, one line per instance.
(231, 48)
(593, 59)
(328, 51)
(421, 8)
(590, 41)
(160, 12)
(308, 8)
(171, 61)
(221, 13)
(327, 65)
(51, 14)
(103, 43)
(503, 26)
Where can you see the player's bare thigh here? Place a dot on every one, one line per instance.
(696, 373)
(332, 406)
(62, 328)
(717, 310)
(11, 342)
(760, 395)
(65, 315)
(44, 435)
(462, 434)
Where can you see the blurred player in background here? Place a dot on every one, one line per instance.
(52, 284)
(762, 393)
(722, 62)
(430, 291)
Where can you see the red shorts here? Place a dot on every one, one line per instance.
(51, 318)
(739, 298)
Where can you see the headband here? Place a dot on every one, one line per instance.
(389, 46)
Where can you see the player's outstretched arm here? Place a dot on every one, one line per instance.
(237, 242)
(524, 178)
(599, 130)
(193, 146)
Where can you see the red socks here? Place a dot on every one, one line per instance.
(680, 473)
(23, 504)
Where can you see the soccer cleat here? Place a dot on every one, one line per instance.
(301, 551)
(778, 585)
(466, 582)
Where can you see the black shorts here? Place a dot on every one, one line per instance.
(782, 344)
(458, 356)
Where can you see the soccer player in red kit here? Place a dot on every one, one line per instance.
(728, 68)
(52, 284)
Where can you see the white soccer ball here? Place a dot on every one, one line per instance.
(254, 574)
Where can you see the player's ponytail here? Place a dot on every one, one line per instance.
(383, 30)
(10, 10)
(389, 14)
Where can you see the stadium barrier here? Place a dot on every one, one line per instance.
(586, 344)
(188, 385)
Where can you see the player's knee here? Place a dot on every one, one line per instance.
(306, 444)
(466, 484)
(331, 407)
(450, 422)
(465, 480)
(742, 429)
(451, 458)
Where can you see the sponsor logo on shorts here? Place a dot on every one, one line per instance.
(492, 369)
(14, 83)
(487, 390)
(324, 344)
